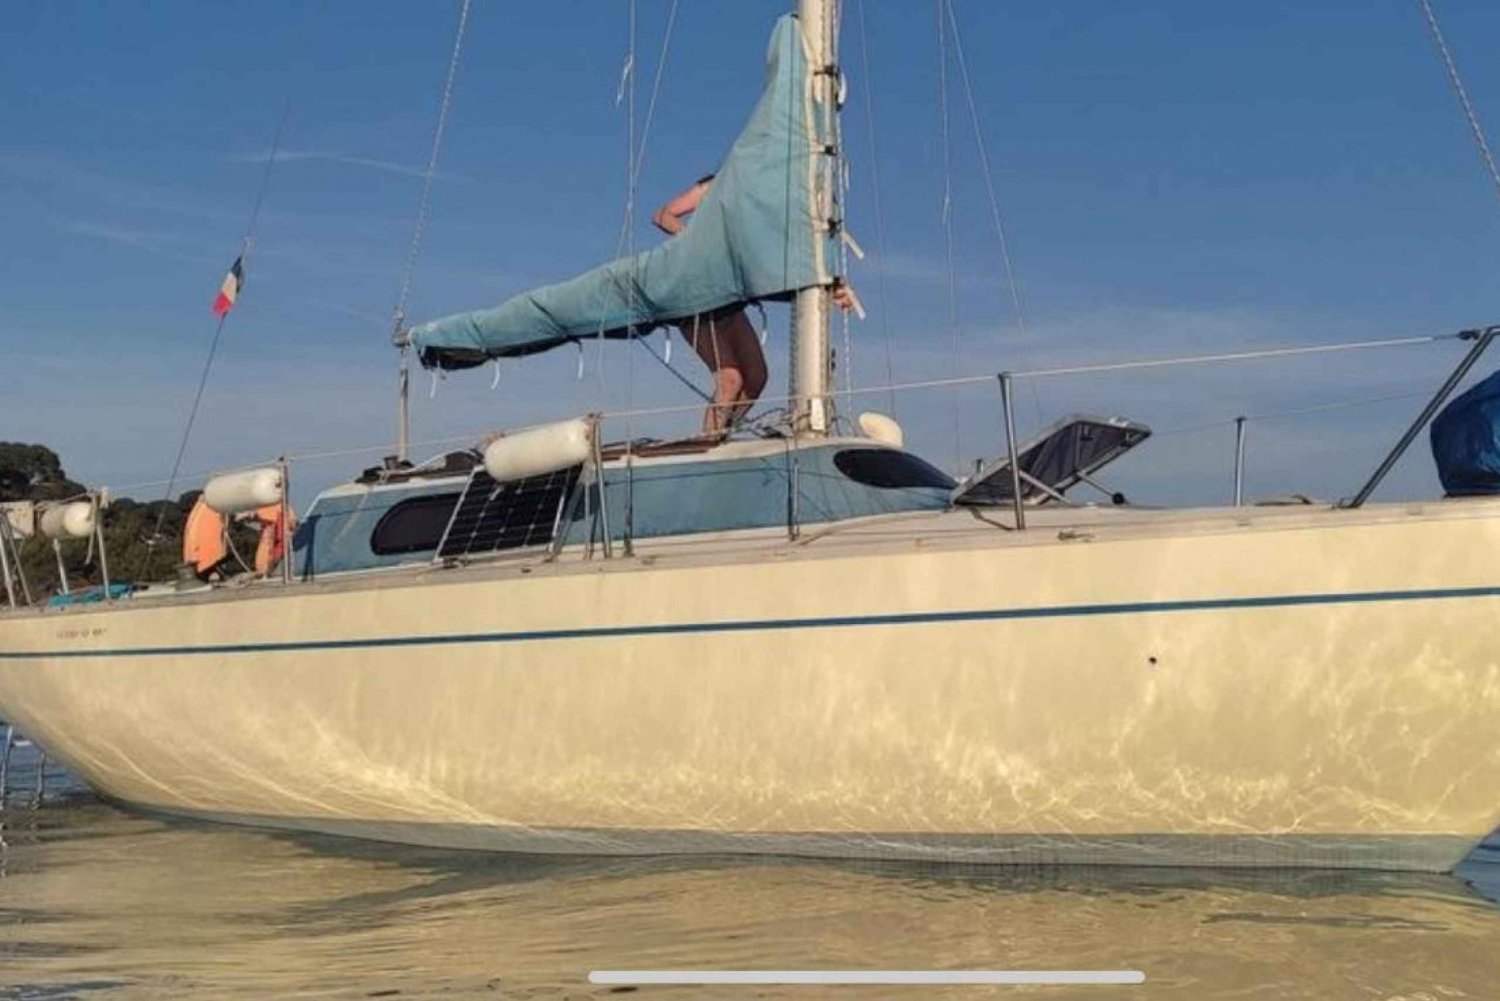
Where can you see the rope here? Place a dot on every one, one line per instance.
(1462, 93)
(880, 242)
(689, 383)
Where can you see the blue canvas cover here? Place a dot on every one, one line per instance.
(754, 236)
(1466, 441)
(91, 595)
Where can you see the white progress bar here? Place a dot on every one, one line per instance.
(703, 978)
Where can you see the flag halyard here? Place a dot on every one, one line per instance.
(229, 288)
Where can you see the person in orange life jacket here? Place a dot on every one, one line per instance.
(205, 549)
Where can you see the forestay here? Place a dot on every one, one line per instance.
(753, 237)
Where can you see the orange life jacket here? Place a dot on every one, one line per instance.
(203, 538)
(275, 523)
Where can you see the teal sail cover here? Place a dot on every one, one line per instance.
(754, 236)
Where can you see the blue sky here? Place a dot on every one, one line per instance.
(1183, 177)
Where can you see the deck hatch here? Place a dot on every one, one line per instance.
(1056, 460)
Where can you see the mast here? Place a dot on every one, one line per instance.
(811, 375)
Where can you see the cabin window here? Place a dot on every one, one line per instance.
(412, 526)
(888, 469)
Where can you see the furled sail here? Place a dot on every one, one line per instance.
(754, 236)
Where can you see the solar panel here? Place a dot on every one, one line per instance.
(492, 516)
(1061, 457)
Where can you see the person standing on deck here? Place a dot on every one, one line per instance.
(724, 338)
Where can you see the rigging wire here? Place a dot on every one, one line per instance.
(674, 370)
(987, 378)
(989, 174)
(996, 217)
(1331, 347)
(1300, 349)
(1273, 415)
(413, 252)
(1462, 94)
(246, 244)
(664, 360)
(424, 205)
(265, 177)
(639, 153)
(637, 159)
(630, 177)
(840, 187)
(627, 224)
(958, 460)
(847, 362)
(880, 242)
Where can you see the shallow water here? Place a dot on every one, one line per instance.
(98, 902)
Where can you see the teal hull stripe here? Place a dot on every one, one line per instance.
(776, 625)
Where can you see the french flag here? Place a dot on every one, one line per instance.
(229, 289)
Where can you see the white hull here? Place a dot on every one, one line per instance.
(1252, 686)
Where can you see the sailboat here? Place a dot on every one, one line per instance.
(806, 641)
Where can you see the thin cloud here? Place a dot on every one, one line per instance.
(159, 242)
(84, 180)
(902, 267)
(141, 238)
(361, 314)
(296, 155)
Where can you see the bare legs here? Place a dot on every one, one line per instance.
(728, 346)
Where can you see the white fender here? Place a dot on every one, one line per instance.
(879, 427)
(539, 450)
(236, 493)
(22, 516)
(74, 520)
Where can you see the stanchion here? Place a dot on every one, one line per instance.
(10, 741)
(41, 776)
(1239, 461)
(1012, 452)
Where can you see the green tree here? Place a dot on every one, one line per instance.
(33, 472)
(142, 540)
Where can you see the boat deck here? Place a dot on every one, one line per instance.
(956, 529)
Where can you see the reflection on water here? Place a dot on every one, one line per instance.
(96, 902)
